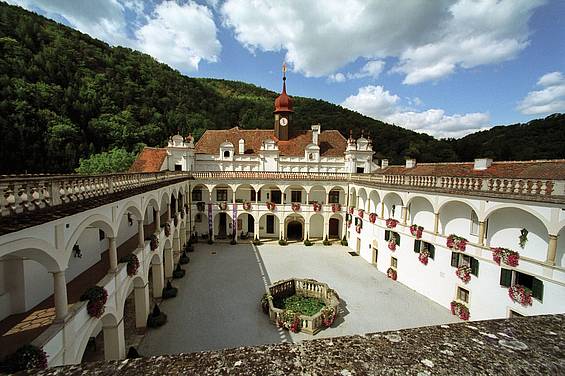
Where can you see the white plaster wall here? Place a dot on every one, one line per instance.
(263, 227)
(38, 283)
(362, 199)
(317, 193)
(504, 227)
(125, 231)
(91, 248)
(560, 256)
(200, 227)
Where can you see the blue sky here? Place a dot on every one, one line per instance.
(444, 67)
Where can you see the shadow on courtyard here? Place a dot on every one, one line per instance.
(218, 305)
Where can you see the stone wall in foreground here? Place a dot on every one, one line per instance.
(529, 345)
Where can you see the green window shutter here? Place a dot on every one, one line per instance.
(474, 266)
(537, 289)
(432, 250)
(387, 235)
(417, 245)
(397, 236)
(454, 259)
(505, 277)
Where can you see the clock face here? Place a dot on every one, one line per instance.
(283, 121)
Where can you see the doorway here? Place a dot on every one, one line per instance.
(334, 228)
(270, 224)
(250, 224)
(294, 231)
(222, 230)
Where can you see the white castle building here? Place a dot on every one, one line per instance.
(487, 237)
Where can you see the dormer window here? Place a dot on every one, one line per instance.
(226, 154)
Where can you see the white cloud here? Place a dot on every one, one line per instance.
(431, 39)
(179, 35)
(548, 100)
(372, 69)
(378, 103)
(337, 77)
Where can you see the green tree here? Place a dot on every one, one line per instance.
(115, 160)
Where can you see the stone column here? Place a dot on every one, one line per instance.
(325, 231)
(551, 249)
(113, 252)
(169, 263)
(158, 223)
(114, 342)
(404, 214)
(307, 230)
(382, 209)
(140, 234)
(158, 279)
(60, 295)
(256, 230)
(482, 233)
(436, 223)
(141, 305)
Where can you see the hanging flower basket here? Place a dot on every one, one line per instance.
(289, 320)
(358, 228)
(97, 297)
(26, 357)
(372, 217)
(200, 206)
(507, 256)
(464, 273)
(154, 242)
(523, 239)
(296, 206)
(167, 230)
(328, 316)
(460, 310)
(360, 213)
(391, 223)
(336, 208)
(133, 263)
(456, 243)
(391, 273)
(423, 256)
(392, 244)
(316, 206)
(271, 205)
(350, 210)
(520, 294)
(416, 231)
(223, 205)
(247, 205)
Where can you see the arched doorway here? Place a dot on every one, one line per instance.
(294, 230)
(333, 232)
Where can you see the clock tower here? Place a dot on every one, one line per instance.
(283, 112)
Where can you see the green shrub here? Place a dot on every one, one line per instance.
(308, 243)
(326, 241)
(283, 242)
(344, 241)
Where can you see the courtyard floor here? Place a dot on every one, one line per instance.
(218, 302)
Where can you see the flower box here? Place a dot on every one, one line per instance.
(507, 256)
(223, 205)
(464, 273)
(289, 320)
(132, 264)
(316, 206)
(520, 294)
(154, 242)
(97, 297)
(336, 208)
(424, 256)
(295, 206)
(460, 310)
(416, 231)
(271, 205)
(456, 243)
(391, 273)
(372, 217)
(360, 213)
(391, 223)
(247, 205)
(392, 244)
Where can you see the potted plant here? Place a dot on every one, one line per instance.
(283, 242)
(391, 273)
(505, 255)
(178, 272)
(391, 223)
(97, 297)
(316, 206)
(520, 294)
(154, 242)
(344, 241)
(156, 318)
(523, 239)
(271, 205)
(360, 213)
(169, 291)
(336, 207)
(326, 241)
(464, 273)
(184, 259)
(392, 243)
(295, 206)
(132, 264)
(289, 320)
(350, 210)
(460, 310)
(416, 231)
(372, 217)
(456, 243)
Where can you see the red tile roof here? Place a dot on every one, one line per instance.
(331, 142)
(544, 169)
(149, 160)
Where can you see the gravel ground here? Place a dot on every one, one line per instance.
(218, 302)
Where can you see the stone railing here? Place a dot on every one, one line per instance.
(518, 187)
(254, 175)
(303, 287)
(23, 193)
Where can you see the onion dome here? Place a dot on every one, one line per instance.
(283, 103)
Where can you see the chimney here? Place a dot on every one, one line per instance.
(241, 146)
(384, 163)
(315, 133)
(410, 163)
(482, 163)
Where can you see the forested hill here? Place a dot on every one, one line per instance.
(64, 95)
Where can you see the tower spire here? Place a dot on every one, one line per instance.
(284, 77)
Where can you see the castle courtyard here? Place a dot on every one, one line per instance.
(218, 302)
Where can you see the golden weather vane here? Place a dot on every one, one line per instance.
(284, 69)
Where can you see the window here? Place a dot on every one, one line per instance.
(198, 218)
(420, 245)
(178, 167)
(253, 195)
(222, 195)
(226, 154)
(458, 259)
(389, 234)
(463, 294)
(101, 235)
(512, 277)
(358, 221)
(360, 170)
(474, 230)
(393, 262)
(296, 196)
(197, 195)
(334, 197)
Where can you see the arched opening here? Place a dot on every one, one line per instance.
(317, 194)
(374, 201)
(245, 226)
(362, 203)
(152, 217)
(269, 227)
(353, 197)
(295, 194)
(222, 193)
(421, 212)
(245, 193)
(459, 218)
(392, 206)
(164, 206)
(316, 227)
(223, 226)
(336, 196)
(103, 339)
(294, 230)
(270, 193)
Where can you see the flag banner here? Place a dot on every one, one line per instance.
(210, 224)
